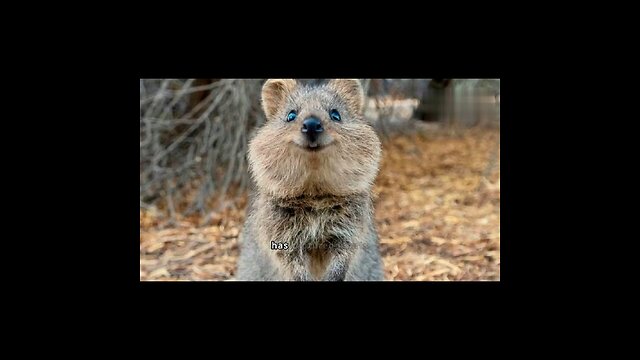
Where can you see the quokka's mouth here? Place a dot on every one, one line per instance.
(313, 147)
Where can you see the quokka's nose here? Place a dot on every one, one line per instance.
(312, 127)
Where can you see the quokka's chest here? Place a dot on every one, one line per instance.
(312, 228)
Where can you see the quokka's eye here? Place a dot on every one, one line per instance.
(292, 115)
(335, 115)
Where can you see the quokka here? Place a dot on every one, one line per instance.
(313, 164)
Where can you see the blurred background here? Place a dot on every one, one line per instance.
(437, 193)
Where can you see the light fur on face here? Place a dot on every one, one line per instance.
(348, 162)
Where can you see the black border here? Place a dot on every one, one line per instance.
(119, 234)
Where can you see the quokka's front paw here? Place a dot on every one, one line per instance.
(334, 276)
(302, 276)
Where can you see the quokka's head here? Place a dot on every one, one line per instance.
(315, 140)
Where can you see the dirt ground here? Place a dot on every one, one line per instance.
(437, 212)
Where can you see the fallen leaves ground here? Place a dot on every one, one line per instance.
(437, 212)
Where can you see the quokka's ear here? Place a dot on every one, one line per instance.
(274, 93)
(351, 90)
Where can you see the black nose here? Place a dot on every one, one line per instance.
(312, 127)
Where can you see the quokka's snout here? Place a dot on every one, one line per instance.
(312, 128)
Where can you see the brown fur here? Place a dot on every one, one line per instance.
(319, 202)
